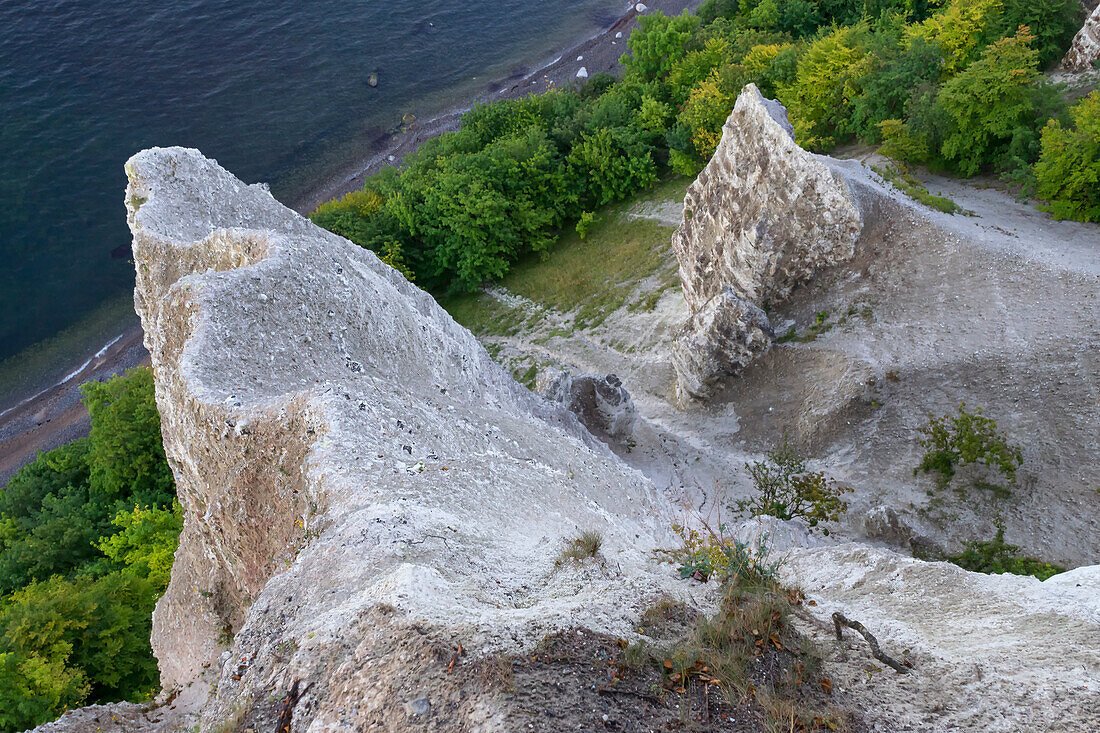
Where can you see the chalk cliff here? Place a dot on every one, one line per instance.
(365, 490)
(351, 463)
(1085, 50)
(762, 217)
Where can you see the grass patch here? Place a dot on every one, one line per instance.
(912, 188)
(584, 547)
(749, 648)
(484, 315)
(596, 274)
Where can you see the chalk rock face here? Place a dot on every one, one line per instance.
(718, 341)
(1085, 50)
(359, 479)
(602, 404)
(762, 217)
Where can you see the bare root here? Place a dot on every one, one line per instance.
(839, 621)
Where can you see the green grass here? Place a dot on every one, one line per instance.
(484, 315)
(594, 276)
(912, 188)
(597, 274)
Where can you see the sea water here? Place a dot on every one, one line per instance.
(276, 91)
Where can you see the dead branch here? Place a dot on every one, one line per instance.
(839, 621)
(289, 703)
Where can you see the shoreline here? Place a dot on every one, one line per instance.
(597, 54)
(54, 415)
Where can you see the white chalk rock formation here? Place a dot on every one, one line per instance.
(718, 341)
(356, 473)
(991, 653)
(602, 404)
(762, 217)
(1085, 50)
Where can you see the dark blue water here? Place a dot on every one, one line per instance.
(275, 91)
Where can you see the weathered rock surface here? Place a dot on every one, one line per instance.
(359, 479)
(1085, 50)
(718, 341)
(602, 404)
(763, 216)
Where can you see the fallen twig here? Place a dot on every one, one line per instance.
(839, 621)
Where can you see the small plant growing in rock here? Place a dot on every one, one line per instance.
(714, 554)
(584, 547)
(585, 223)
(786, 489)
(997, 556)
(952, 441)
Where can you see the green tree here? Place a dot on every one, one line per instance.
(98, 628)
(819, 100)
(1068, 171)
(960, 30)
(48, 519)
(887, 90)
(145, 543)
(35, 689)
(1052, 22)
(126, 457)
(988, 104)
(614, 162)
(658, 44)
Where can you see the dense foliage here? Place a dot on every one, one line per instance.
(952, 84)
(1068, 171)
(87, 534)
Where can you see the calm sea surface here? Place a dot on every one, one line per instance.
(276, 91)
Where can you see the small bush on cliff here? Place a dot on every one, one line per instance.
(997, 556)
(707, 554)
(951, 441)
(87, 535)
(785, 489)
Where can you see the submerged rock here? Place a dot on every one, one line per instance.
(762, 217)
(602, 404)
(1085, 50)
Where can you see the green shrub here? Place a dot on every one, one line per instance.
(828, 79)
(1068, 171)
(585, 546)
(708, 554)
(952, 441)
(785, 489)
(997, 557)
(81, 566)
